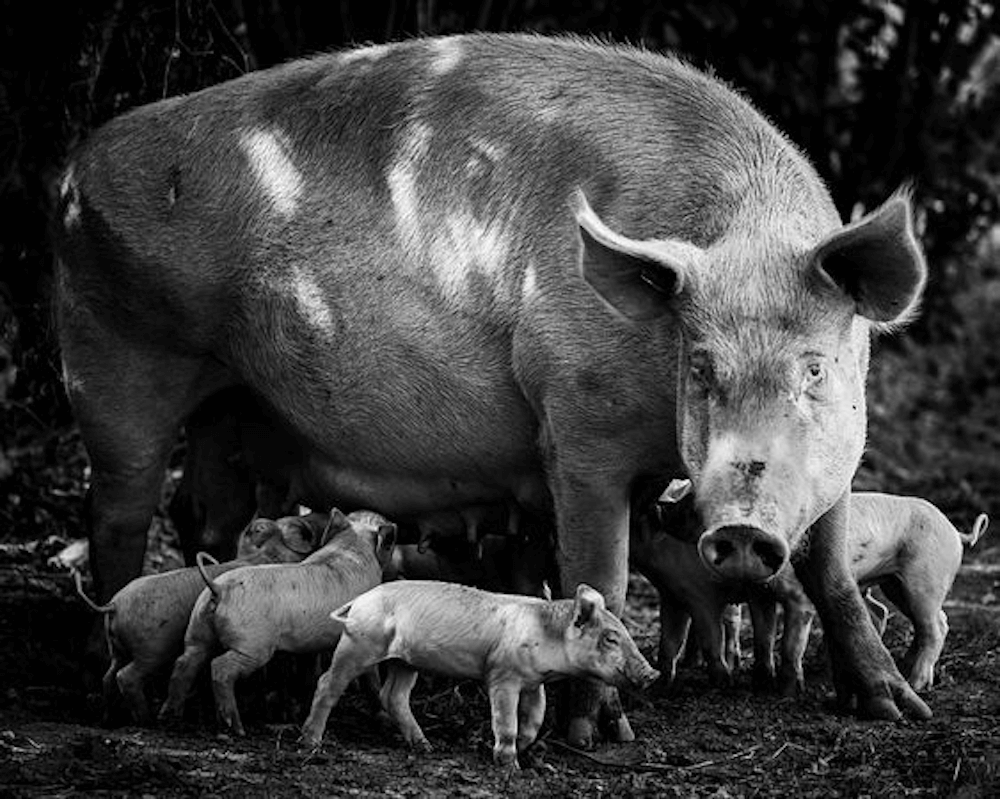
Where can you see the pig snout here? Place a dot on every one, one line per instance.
(638, 673)
(743, 553)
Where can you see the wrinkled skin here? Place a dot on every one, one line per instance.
(457, 274)
(513, 644)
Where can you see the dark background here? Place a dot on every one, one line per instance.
(877, 92)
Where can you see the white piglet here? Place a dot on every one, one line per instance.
(253, 612)
(513, 643)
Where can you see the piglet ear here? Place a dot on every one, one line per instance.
(636, 279)
(587, 604)
(385, 541)
(337, 523)
(877, 262)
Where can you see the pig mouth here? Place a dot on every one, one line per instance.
(743, 553)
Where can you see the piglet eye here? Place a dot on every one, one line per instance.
(611, 638)
(815, 371)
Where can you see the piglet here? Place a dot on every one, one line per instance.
(253, 612)
(513, 643)
(144, 622)
(907, 547)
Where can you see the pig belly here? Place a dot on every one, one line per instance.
(386, 419)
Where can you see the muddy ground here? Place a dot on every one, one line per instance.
(693, 740)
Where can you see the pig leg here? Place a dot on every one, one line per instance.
(799, 616)
(862, 667)
(732, 620)
(763, 615)
(227, 668)
(185, 670)
(530, 715)
(353, 656)
(400, 679)
(930, 627)
(132, 684)
(129, 419)
(706, 618)
(674, 624)
(504, 698)
(592, 522)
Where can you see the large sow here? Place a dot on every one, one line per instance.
(483, 269)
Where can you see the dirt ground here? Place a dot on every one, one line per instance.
(693, 740)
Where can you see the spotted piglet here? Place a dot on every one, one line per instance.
(513, 643)
(253, 612)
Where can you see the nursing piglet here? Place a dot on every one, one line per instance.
(144, 622)
(513, 643)
(253, 612)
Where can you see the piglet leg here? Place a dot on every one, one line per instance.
(530, 715)
(503, 707)
(399, 683)
(226, 670)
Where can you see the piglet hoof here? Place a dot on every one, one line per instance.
(506, 760)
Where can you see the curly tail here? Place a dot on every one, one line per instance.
(978, 529)
(78, 579)
(200, 560)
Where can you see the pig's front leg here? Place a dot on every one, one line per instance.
(861, 665)
(504, 697)
(592, 514)
(530, 715)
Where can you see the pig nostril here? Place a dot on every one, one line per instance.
(769, 555)
(722, 550)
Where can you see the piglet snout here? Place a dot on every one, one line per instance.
(639, 674)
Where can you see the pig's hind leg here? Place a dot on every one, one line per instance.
(350, 660)
(132, 684)
(395, 695)
(227, 668)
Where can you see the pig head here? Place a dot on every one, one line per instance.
(770, 375)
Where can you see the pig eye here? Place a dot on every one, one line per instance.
(815, 375)
(700, 368)
(611, 638)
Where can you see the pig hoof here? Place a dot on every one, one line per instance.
(581, 733)
(421, 746)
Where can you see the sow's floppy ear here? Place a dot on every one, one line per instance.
(636, 279)
(877, 262)
(587, 604)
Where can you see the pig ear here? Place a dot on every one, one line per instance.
(877, 262)
(338, 522)
(385, 541)
(636, 279)
(587, 604)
